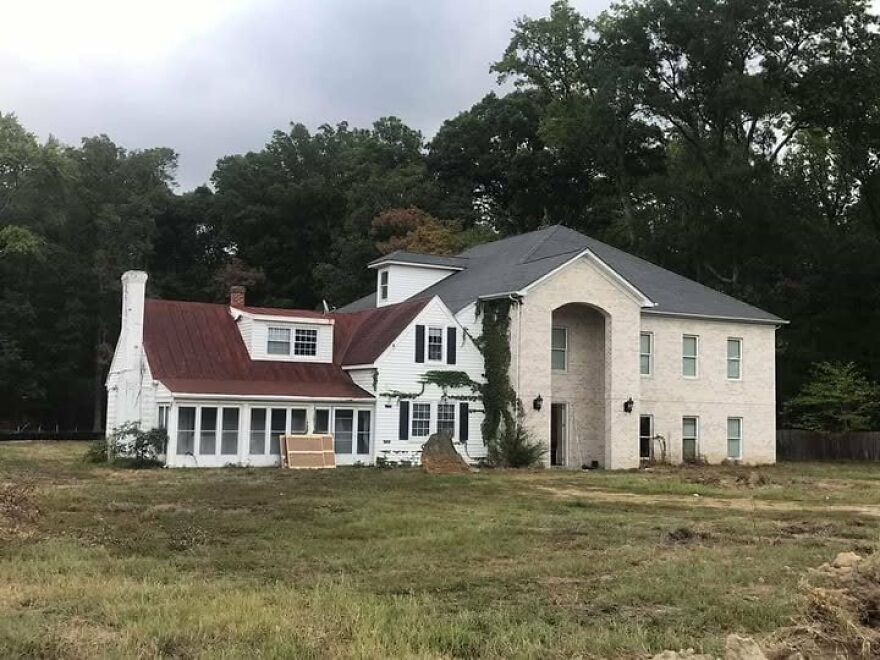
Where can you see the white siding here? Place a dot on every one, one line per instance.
(406, 281)
(259, 332)
(363, 378)
(398, 371)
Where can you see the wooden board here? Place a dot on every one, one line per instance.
(307, 452)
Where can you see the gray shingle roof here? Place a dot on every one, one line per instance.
(513, 263)
(401, 256)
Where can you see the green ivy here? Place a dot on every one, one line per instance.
(497, 393)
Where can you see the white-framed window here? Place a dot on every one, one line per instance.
(646, 353)
(364, 422)
(278, 341)
(383, 284)
(734, 358)
(298, 421)
(446, 417)
(186, 430)
(421, 420)
(690, 438)
(559, 349)
(646, 436)
(305, 341)
(229, 433)
(321, 422)
(257, 443)
(208, 431)
(690, 348)
(163, 417)
(734, 437)
(435, 344)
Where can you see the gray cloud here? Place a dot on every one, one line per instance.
(272, 63)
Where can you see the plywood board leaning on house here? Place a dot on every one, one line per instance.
(307, 451)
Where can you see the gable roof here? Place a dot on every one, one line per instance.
(512, 264)
(197, 348)
(419, 259)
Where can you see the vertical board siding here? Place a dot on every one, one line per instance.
(801, 445)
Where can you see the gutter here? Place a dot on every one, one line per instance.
(709, 317)
(267, 397)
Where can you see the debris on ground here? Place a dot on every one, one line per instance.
(439, 455)
(686, 535)
(735, 648)
(17, 508)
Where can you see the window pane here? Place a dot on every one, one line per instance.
(557, 360)
(559, 338)
(278, 341)
(689, 449)
(363, 432)
(186, 430)
(689, 345)
(645, 364)
(229, 435)
(734, 427)
(305, 342)
(435, 343)
(689, 427)
(446, 417)
(278, 428)
(645, 435)
(258, 431)
(733, 348)
(322, 421)
(645, 343)
(208, 433)
(733, 450)
(421, 419)
(689, 366)
(342, 431)
(298, 420)
(733, 369)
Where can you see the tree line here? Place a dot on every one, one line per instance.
(736, 143)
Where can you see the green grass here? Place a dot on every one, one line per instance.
(378, 563)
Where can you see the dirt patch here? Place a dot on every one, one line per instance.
(440, 457)
(18, 510)
(686, 535)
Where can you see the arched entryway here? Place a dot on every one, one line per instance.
(578, 384)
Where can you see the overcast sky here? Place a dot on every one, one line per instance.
(214, 77)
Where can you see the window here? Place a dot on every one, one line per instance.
(343, 430)
(229, 434)
(383, 284)
(646, 436)
(278, 427)
(163, 416)
(646, 353)
(305, 341)
(321, 423)
(363, 432)
(734, 437)
(421, 419)
(435, 344)
(734, 359)
(689, 348)
(278, 341)
(559, 349)
(298, 423)
(186, 430)
(446, 417)
(258, 431)
(690, 429)
(208, 432)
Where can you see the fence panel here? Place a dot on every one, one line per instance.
(800, 445)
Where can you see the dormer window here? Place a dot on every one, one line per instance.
(305, 342)
(383, 285)
(435, 344)
(279, 341)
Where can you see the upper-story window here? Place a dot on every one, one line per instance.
(383, 284)
(646, 353)
(734, 358)
(690, 346)
(559, 349)
(305, 341)
(278, 341)
(435, 344)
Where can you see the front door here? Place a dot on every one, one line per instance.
(558, 433)
(352, 431)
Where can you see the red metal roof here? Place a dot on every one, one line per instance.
(197, 348)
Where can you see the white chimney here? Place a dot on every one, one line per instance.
(134, 286)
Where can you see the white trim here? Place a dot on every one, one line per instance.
(650, 335)
(266, 397)
(696, 437)
(564, 349)
(740, 439)
(414, 264)
(346, 367)
(738, 359)
(710, 317)
(695, 357)
(442, 330)
(279, 318)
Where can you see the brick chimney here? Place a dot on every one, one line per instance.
(236, 296)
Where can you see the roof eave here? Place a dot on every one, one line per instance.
(717, 317)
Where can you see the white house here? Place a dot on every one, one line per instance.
(615, 360)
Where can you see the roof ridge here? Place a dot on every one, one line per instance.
(526, 257)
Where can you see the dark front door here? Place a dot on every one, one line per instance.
(558, 433)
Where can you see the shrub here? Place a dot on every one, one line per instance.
(838, 397)
(135, 447)
(514, 447)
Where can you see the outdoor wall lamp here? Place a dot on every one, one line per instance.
(628, 405)
(538, 402)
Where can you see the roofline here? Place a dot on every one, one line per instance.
(607, 270)
(716, 317)
(282, 318)
(267, 397)
(414, 264)
(346, 367)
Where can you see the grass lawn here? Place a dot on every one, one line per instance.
(377, 563)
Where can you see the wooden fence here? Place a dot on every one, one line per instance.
(800, 445)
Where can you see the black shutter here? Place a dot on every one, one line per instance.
(450, 345)
(404, 420)
(463, 422)
(420, 343)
